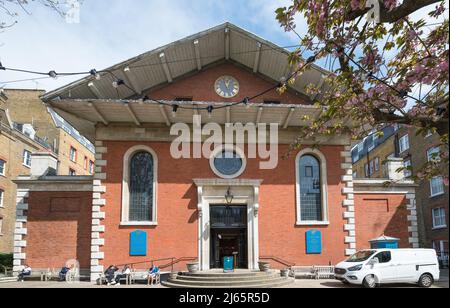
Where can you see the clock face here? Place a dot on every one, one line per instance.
(227, 87)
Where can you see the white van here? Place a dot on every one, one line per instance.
(380, 266)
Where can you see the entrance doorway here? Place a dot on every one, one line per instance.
(228, 235)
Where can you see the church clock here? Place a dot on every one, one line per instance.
(226, 87)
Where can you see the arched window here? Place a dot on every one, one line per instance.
(311, 188)
(139, 187)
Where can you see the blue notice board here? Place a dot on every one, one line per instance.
(138, 243)
(314, 242)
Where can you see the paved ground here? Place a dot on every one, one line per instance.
(443, 283)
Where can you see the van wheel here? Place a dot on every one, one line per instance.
(426, 281)
(370, 282)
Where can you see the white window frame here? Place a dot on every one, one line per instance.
(372, 167)
(26, 153)
(367, 170)
(376, 162)
(1, 226)
(126, 189)
(360, 147)
(407, 163)
(375, 137)
(324, 179)
(3, 171)
(229, 148)
(2, 197)
(74, 160)
(431, 151)
(402, 143)
(91, 167)
(440, 193)
(441, 216)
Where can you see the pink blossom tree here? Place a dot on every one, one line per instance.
(390, 71)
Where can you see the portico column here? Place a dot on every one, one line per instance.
(255, 231)
(203, 231)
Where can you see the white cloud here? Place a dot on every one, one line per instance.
(111, 31)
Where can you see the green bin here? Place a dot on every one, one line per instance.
(228, 264)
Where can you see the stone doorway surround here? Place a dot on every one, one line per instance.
(212, 191)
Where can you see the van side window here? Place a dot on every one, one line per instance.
(384, 257)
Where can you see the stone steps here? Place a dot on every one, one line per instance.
(228, 280)
(8, 279)
(219, 274)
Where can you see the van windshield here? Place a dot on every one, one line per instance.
(361, 256)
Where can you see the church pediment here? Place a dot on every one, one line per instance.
(197, 53)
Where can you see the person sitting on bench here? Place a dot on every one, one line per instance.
(63, 273)
(26, 272)
(124, 275)
(110, 273)
(152, 272)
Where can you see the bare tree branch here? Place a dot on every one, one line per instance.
(406, 8)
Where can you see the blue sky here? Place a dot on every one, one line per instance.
(111, 31)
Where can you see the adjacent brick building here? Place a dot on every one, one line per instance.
(148, 204)
(28, 126)
(26, 107)
(414, 150)
(15, 155)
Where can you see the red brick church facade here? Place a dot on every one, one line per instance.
(88, 219)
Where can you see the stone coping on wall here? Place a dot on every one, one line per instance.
(55, 183)
(384, 186)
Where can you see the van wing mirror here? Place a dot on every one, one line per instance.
(374, 261)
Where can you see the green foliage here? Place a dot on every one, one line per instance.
(6, 259)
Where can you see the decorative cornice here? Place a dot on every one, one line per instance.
(227, 182)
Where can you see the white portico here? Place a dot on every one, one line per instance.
(213, 191)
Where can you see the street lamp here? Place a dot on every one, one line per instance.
(229, 197)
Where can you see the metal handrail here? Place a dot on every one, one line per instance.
(171, 264)
(6, 269)
(278, 260)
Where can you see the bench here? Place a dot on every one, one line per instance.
(53, 275)
(36, 275)
(324, 272)
(102, 280)
(135, 276)
(302, 272)
(142, 276)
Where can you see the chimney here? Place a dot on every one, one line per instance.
(393, 164)
(43, 164)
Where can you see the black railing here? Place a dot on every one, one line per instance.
(146, 264)
(277, 260)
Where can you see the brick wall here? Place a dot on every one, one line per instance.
(378, 214)
(176, 233)
(12, 146)
(59, 229)
(201, 87)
